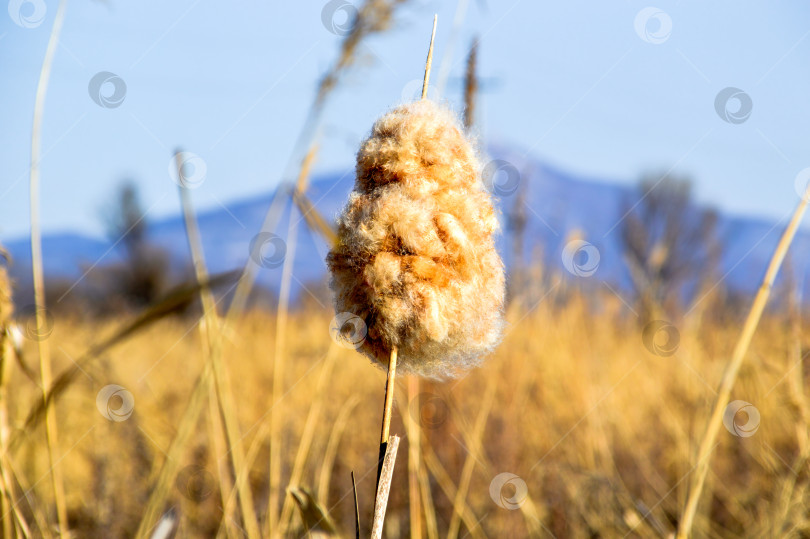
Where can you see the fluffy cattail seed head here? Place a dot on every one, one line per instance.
(416, 258)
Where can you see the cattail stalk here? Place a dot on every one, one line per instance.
(732, 368)
(387, 407)
(392, 361)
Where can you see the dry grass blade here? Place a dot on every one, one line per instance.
(7, 496)
(730, 374)
(330, 454)
(33, 508)
(316, 519)
(313, 417)
(449, 489)
(165, 527)
(470, 87)
(162, 485)
(174, 302)
(474, 448)
(412, 429)
(429, 61)
(214, 349)
(51, 431)
(356, 509)
(431, 526)
(384, 486)
(374, 16)
(278, 355)
(315, 221)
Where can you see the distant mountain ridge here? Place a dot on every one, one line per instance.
(558, 204)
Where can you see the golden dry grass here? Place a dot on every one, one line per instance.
(602, 431)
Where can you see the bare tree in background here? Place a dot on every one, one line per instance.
(516, 221)
(669, 243)
(142, 275)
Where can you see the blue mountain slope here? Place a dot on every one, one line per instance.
(559, 206)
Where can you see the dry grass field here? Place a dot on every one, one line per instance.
(597, 415)
(601, 431)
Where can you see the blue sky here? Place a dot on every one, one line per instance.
(581, 85)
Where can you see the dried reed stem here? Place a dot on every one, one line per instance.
(6, 308)
(384, 486)
(730, 374)
(412, 428)
(470, 87)
(51, 431)
(429, 61)
(214, 346)
(273, 518)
